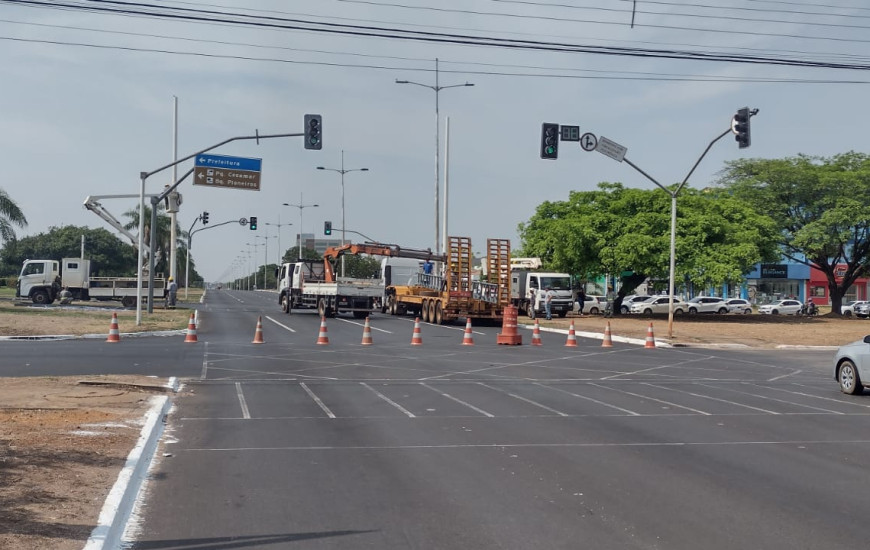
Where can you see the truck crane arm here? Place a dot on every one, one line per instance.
(374, 249)
(93, 204)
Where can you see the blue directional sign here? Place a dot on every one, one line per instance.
(223, 171)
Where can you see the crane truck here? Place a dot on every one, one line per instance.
(313, 283)
(42, 280)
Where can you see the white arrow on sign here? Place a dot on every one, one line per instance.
(588, 141)
(611, 149)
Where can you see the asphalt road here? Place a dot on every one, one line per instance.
(290, 444)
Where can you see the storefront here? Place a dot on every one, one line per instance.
(768, 283)
(818, 286)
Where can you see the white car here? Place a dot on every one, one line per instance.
(593, 305)
(632, 299)
(738, 305)
(782, 307)
(851, 308)
(852, 366)
(658, 304)
(706, 304)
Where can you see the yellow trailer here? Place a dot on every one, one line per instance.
(453, 294)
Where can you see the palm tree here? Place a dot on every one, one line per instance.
(9, 214)
(164, 235)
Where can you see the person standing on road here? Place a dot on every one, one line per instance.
(581, 300)
(548, 303)
(173, 292)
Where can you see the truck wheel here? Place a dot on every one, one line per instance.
(285, 303)
(530, 311)
(391, 305)
(128, 301)
(41, 297)
(424, 311)
(562, 314)
(321, 307)
(439, 314)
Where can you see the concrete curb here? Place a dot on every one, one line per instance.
(119, 503)
(600, 336)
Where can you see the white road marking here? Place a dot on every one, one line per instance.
(282, 325)
(245, 412)
(317, 400)
(654, 399)
(521, 398)
(204, 374)
(535, 445)
(710, 397)
(388, 400)
(774, 399)
(461, 402)
(632, 413)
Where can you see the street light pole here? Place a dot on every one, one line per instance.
(436, 88)
(342, 171)
(279, 225)
(300, 206)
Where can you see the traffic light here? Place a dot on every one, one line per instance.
(740, 127)
(252, 223)
(327, 228)
(549, 141)
(204, 218)
(313, 132)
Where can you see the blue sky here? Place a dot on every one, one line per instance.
(88, 104)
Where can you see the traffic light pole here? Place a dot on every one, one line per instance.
(143, 176)
(673, 245)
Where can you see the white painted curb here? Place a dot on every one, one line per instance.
(122, 498)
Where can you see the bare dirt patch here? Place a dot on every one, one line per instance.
(62, 445)
(755, 331)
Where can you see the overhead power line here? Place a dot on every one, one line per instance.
(185, 14)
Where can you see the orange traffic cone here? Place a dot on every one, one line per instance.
(650, 338)
(468, 338)
(258, 334)
(322, 338)
(607, 342)
(416, 337)
(571, 342)
(536, 334)
(367, 334)
(191, 330)
(114, 333)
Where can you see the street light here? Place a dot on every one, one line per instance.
(300, 206)
(342, 171)
(265, 256)
(279, 225)
(436, 88)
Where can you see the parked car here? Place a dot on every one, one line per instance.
(658, 304)
(738, 305)
(593, 305)
(631, 299)
(851, 366)
(706, 304)
(862, 310)
(851, 308)
(782, 307)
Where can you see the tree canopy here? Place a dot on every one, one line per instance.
(109, 256)
(820, 207)
(619, 230)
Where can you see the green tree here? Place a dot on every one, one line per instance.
(619, 230)
(110, 257)
(292, 254)
(821, 208)
(10, 214)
